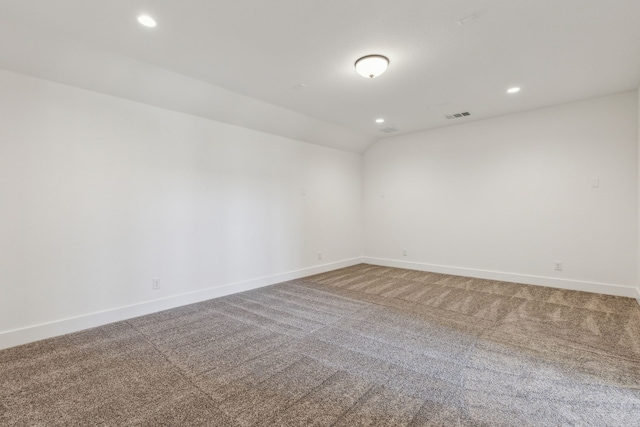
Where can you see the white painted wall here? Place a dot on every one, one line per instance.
(99, 195)
(506, 197)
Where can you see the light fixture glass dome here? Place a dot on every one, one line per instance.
(372, 66)
(147, 21)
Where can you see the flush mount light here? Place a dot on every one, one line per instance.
(379, 120)
(513, 90)
(372, 66)
(147, 21)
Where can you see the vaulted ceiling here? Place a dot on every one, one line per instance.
(287, 66)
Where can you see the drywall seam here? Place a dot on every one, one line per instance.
(576, 285)
(74, 324)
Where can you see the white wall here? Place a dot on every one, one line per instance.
(505, 198)
(99, 195)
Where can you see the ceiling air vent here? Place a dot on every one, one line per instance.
(388, 130)
(458, 115)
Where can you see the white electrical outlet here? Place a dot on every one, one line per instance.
(558, 265)
(155, 284)
(319, 255)
(404, 252)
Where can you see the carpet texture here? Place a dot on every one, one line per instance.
(360, 346)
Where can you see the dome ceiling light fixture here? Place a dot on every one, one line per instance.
(371, 66)
(147, 21)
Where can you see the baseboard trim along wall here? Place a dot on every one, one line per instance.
(576, 285)
(66, 326)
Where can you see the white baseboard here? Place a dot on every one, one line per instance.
(576, 285)
(64, 326)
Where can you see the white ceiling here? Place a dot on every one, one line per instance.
(240, 61)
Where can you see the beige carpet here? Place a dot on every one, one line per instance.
(360, 346)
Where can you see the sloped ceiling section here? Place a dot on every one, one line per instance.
(74, 63)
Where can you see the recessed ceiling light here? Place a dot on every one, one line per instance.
(379, 120)
(147, 21)
(371, 66)
(513, 90)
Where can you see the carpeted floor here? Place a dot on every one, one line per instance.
(360, 346)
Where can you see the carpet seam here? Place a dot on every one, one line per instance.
(178, 368)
